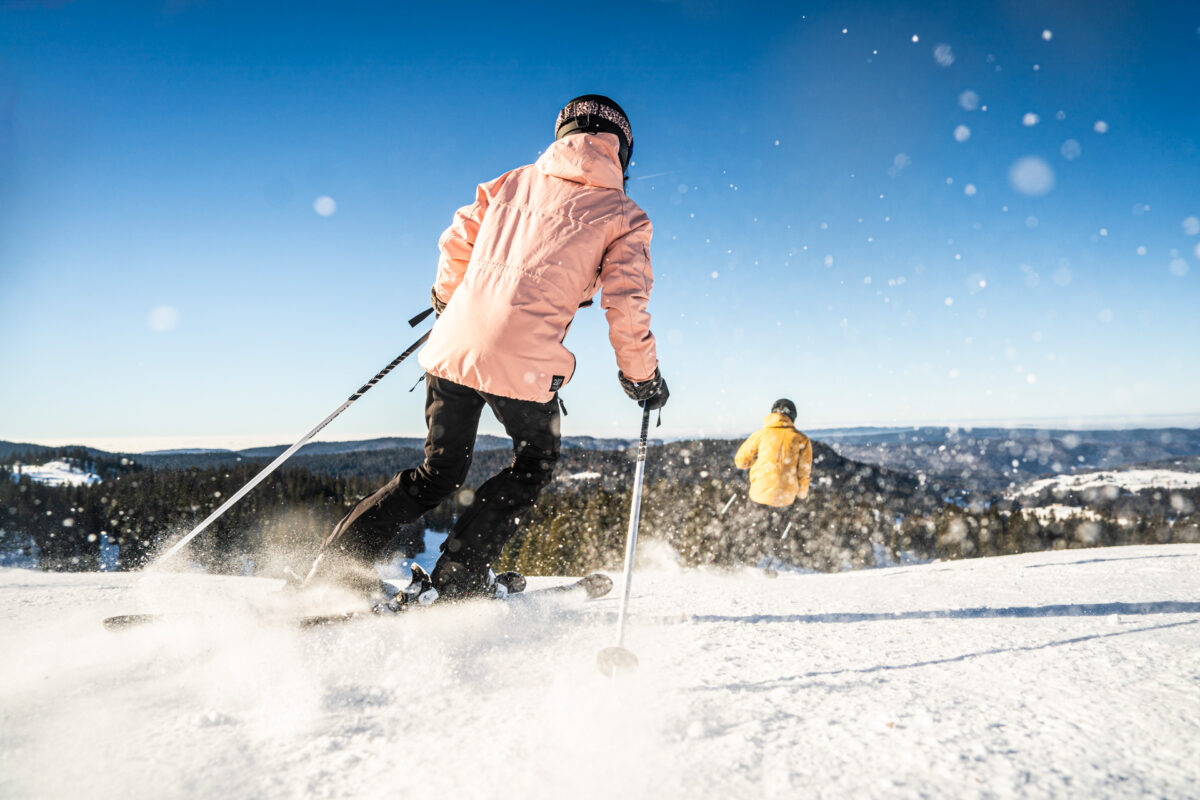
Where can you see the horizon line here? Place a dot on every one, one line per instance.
(142, 445)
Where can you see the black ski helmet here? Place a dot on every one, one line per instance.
(785, 407)
(595, 113)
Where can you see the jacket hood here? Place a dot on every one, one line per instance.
(590, 159)
(777, 420)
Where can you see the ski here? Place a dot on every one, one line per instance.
(592, 586)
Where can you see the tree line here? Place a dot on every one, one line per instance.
(694, 502)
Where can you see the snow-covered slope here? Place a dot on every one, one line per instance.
(1065, 674)
(1133, 480)
(55, 473)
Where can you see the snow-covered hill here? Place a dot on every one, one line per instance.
(55, 473)
(1062, 674)
(1112, 482)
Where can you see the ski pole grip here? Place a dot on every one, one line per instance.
(415, 321)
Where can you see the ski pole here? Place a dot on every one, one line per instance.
(286, 454)
(728, 504)
(612, 660)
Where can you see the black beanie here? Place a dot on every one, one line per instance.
(595, 113)
(785, 407)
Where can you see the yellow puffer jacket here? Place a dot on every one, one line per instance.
(779, 458)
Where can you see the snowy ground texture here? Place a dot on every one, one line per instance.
(1064, 674)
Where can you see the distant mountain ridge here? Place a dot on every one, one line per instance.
(966, 459)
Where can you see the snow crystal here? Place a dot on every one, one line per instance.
(1179, 268)
(1141, 251)
(1198, 250)
(163, 318)
(962, 133)
(1191, 226)
(1071, 150)
(1047, 35)
(1060, 115)
(969, 190)
(943, 55)
(1030, 119)
(1031, 222)
(325, 206)
(1062, 276)
(1105, 315)
(968, 100)
(916, 38)
(1100, 127)
(1031, 175)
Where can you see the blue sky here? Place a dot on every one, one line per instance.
(939, 213)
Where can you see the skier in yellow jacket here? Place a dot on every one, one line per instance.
(779, 458)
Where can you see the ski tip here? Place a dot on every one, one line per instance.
(597, 584)
(615, 661)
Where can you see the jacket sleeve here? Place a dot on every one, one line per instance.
(748, 452)
(804, 466)
(457, 241)
(627, 279)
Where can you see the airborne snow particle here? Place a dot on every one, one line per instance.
(968, 100)
(1030, 119)
(949, 301)
(1031, 175)
(1191, 226)
(1105, 315)
(1071, 150)
(1047, 35)
(1100, 127)
(916, 38)
(163, 318)
(943, 55)
(969, 190)
(325, 206)
(962, 133)
(1179, 268)
(1141, 251)
(1198, 250)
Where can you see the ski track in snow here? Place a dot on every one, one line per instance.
(1062, 674)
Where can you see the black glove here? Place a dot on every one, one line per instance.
(438, 305)
(651, 393)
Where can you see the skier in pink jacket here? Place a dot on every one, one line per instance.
(515, 266)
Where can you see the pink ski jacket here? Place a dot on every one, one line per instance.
(517, 263)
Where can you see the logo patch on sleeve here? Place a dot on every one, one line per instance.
(556, 382)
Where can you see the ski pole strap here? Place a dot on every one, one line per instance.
(415, 321)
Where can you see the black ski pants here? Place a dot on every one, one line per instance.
(452, 419)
